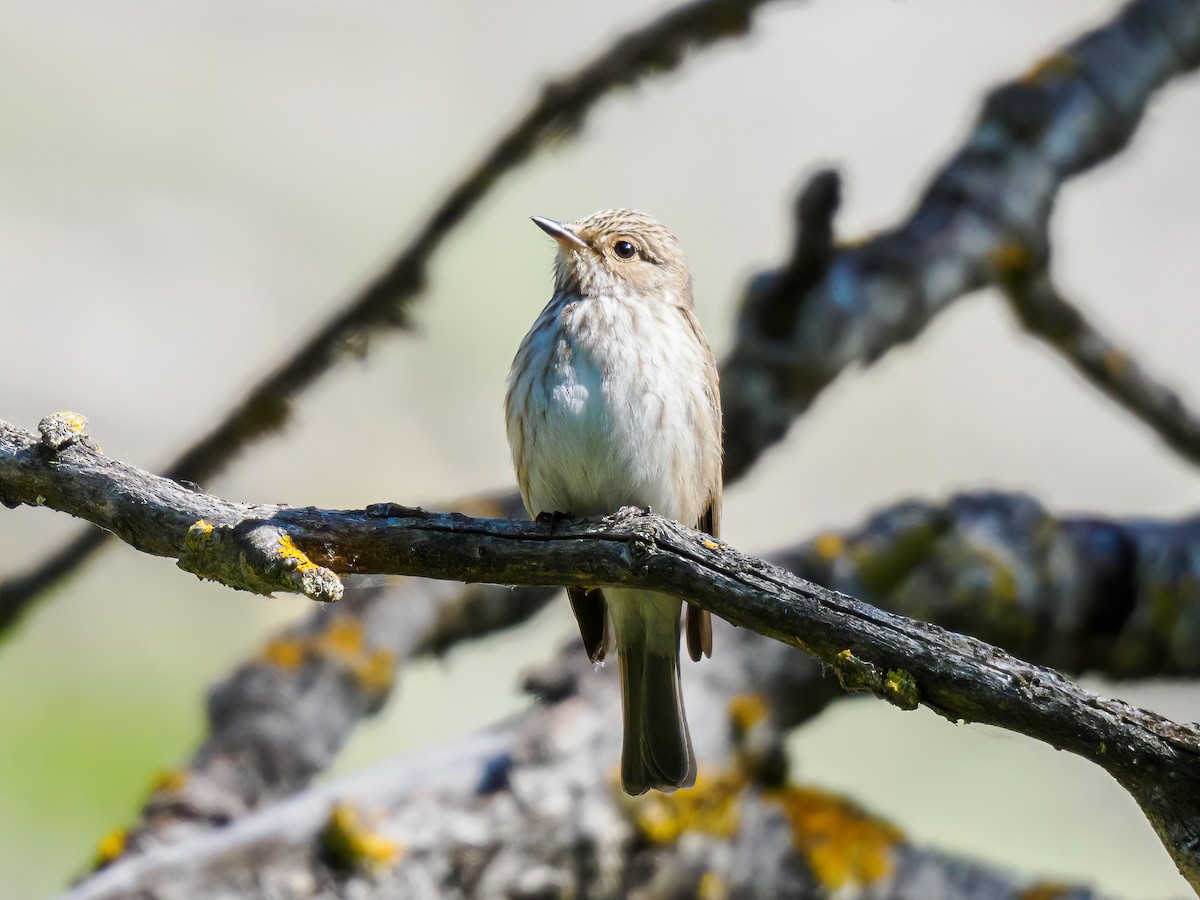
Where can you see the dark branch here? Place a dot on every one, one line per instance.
(1047, 314)
(383, 303)
(1078, 594)
(906, 662)
(1074, 110)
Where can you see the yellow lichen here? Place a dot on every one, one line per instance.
(111, 846)
(1011, 258)
(343, 638)
(829, 546)
(196, 536)
(77, 422)
(710, 807)
(855, 674)
(1116, 362)
(712, 887)
(169, 780)
(347, 842)
(747, 710)
(289, 550)
(711, 545)
(342, 643)
(900, 688)
(1055, 66)
(1048, 892)
(377, 671)
(1004, 584)
(843, 844)
(284, 653)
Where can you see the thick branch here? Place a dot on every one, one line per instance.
(529, 808)
(1079, 594)
(802, 324)
(560, 110)
(898, 659)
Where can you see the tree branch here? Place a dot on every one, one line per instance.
(560, 110)
(529, 808)
(1080, 594)
(805, 322)
(1045, 313)
(906, 662)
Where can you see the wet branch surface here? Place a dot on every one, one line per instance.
(906, 662)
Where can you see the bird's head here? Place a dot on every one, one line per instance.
(619, 252)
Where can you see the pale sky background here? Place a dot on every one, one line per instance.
(188, 189)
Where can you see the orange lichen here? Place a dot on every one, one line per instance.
(843, 844)
(348, 844)
(289, 550)
(829, 545)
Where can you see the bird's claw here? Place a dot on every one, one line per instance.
(550, 520)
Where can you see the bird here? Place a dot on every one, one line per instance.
(612, 401)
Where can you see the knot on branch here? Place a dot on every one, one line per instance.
(896, 686)
(257, 557)
(773, 300)
(61, 429)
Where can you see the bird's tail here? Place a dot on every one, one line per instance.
(657, 748)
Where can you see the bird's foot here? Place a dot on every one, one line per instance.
(550, 520)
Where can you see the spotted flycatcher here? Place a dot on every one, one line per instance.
(612, 401)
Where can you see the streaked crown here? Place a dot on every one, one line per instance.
(619, 251)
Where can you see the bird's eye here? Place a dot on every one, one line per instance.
(624, 250)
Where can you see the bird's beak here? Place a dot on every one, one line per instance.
(561, 232)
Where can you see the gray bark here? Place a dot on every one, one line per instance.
(903, 661)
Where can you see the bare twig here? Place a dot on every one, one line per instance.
(653, 49)
(1074, 110)
(903, 661)
(1045, 313)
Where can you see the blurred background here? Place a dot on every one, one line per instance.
(188, 189)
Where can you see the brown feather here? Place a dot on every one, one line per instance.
(699, 621)
(590, 612)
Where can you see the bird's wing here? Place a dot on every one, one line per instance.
(698, 622)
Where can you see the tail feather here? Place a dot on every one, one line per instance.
(657, 749)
